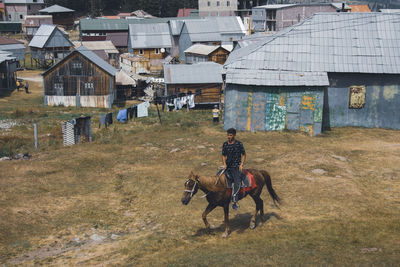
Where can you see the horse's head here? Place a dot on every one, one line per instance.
(191, 188)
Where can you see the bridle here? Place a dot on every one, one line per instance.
(193, 188)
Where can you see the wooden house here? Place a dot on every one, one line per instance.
(81, 79)
(33, 22)
(16, 10)
(314, 80)
(8, 67)
(202, 53)
(62, 16)
(151, 42)
(49, 45)
(204, 80)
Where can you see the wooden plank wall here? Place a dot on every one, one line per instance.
(209, 93)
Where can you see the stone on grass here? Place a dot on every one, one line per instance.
(201, 147)
(339, 158)
(19, 156)
(5, 158)
(174, 150)
(367, 250)
(319, 171)
(258, 160)
(203, 164)
(97, 238)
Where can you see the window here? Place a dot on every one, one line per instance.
(217, 3)
(58, 89)
(88, 88)
(9, 16)
(198, 92)
(76, 67)
(21, 16)
(141, 52)
(357, 96)
(157, 51)
(208, 3)
(35, 1)
(228, 3)
(29, 7)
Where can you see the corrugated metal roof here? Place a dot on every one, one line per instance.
(203, 30)
(45, 33)
(150, 36)
(56, 9)
(5, 55)
(326, 42)
(276, 78)
(101, 24)
(176, 26)
(200, 73)
(202, 49)
(90, 56)
(97, 60)
(42, 35)
(107, 46)
(389, 10)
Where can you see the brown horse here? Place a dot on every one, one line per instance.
(218, 195)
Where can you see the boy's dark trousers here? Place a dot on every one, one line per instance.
(236, 176)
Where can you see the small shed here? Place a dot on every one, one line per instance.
(202, 53)
(125, 86)
(81, 79)
(62, 16)
(104, 49)
(49, 45)
(17, 48)
(204, 80)
(8, 67)
(33, 22)
(77, 130)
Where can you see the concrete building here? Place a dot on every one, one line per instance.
(273, 18)
(331, 70)
(241, 8)
(16, 10)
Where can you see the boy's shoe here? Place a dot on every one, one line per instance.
(235, 206)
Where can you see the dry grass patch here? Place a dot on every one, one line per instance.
(126, 185)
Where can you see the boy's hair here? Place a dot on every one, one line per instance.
(231, 131)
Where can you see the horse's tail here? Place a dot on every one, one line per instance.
(271, 190)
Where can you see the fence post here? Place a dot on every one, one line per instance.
(35, 134)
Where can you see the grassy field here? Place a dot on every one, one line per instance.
(116, 201)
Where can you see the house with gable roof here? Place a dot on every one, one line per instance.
(81, 79)
(331, 70)
(49, 45)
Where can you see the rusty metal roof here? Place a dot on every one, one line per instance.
(325, 42)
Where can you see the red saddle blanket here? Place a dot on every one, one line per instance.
(246, 189)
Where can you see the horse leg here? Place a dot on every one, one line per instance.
(259, 207)
(226, 212)
(209, 208)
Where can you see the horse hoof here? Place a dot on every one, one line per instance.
(252, 226)
(224, 235)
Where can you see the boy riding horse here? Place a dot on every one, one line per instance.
(233, 157)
